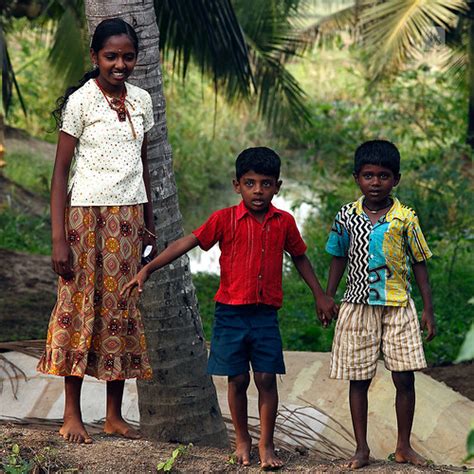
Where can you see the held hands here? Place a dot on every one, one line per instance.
(61, 260)
(326, 309)
(428, 324)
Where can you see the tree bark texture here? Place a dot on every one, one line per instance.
(180, 404)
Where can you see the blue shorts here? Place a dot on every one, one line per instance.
(243, 334)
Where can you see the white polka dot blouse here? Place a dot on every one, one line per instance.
(107, 167)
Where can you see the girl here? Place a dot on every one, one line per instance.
(100, 222)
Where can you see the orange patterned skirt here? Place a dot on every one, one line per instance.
(92, 329)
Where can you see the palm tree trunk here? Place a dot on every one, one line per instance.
(180, 404)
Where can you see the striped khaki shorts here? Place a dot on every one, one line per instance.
(362, 330)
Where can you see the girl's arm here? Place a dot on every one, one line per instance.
(336, 270)
(148, 238)
(61, 257)
(172, 252)
(427, 317)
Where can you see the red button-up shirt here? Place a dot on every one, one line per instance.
(251, 253)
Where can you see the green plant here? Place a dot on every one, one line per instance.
(24, 233)
(15, 464)
(167, 465)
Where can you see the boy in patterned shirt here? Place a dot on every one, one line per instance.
(378, 238)
(252, 237)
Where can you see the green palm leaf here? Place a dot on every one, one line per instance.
(394, 30)
(207, 32)
(9, 82)
(70, 44)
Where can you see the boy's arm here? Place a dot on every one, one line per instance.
(427, 319)
(336, 270)
(325, 307)
(171, 253)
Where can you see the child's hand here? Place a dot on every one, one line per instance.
(327, 309)
(62, 260)
(428, 324)
(138, 281)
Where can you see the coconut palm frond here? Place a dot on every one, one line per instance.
(272, 41)
(394, 30)
(207, 32)
(11, 372)
(308, 429)
(9, 82)
(454, 62)
(280, 97)
(69, 48)
(33, 348)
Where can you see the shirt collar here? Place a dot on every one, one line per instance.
(242, 211)
(395, 212)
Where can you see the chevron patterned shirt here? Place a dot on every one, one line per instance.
(380, 254)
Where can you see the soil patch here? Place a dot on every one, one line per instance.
(27, 295)
(116, 455)
(459, 377)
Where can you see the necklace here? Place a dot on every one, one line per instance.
(374, 211)
(118, 105)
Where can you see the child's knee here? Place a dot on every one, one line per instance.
(239, 383)
(404, 381)
(265, 382)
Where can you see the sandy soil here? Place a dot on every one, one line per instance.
(109, 454)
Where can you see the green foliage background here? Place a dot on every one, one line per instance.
(423, 111)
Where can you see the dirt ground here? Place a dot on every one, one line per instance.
(110, 454)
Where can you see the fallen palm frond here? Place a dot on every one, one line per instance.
(12, 374)
(305, 429)
(33, 348)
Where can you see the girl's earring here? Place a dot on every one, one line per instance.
(96, 65)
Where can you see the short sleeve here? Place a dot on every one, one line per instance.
(417, 247)
(72, 119)
(148, 120)
(294, 244)
(338, 241)
(210, 232)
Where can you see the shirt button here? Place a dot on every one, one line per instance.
(263, 250)
(371, 256)
(259, 277)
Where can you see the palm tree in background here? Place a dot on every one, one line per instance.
(393, 32)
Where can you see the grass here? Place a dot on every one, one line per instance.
(30, 171)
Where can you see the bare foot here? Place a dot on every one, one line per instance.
(242, 451)
(73, 430)
(119, 426)
(360, 459)
(410, 456)
(268, 458)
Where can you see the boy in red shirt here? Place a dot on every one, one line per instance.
(252, 237)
